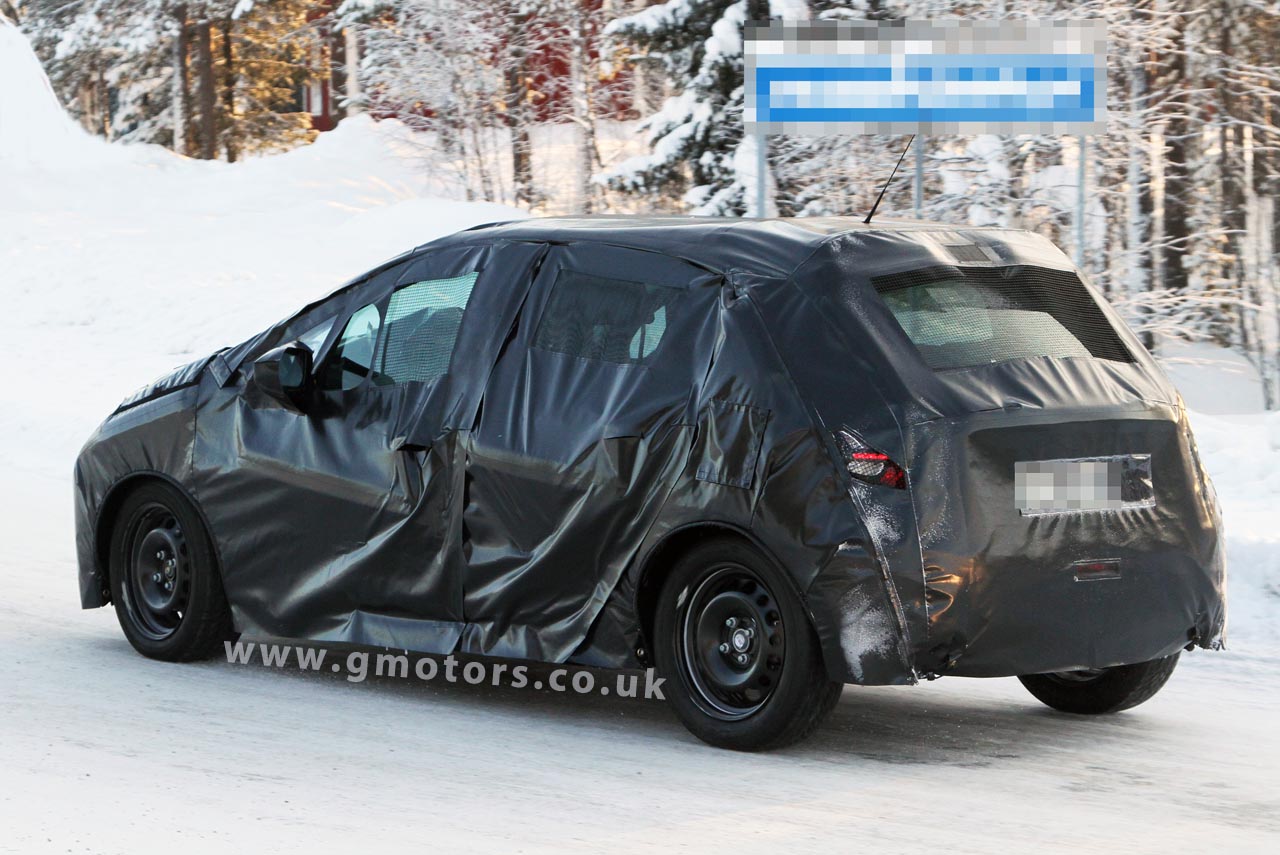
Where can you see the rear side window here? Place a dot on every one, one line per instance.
(961, 317)
(420, 330)
(610, 320)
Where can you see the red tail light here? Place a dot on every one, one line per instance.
(868, 465)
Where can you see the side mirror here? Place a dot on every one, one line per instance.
(284, 374)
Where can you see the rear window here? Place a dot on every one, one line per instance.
(960, 317)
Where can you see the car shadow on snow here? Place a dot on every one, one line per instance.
(930, 725)
(891, 725)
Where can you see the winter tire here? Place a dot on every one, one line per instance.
(740, 656)
(1104, 690)
(164, 577)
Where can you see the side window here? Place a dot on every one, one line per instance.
(611, 320)
(420, 330)
(351, 359)
(314, 337)
(646, 339)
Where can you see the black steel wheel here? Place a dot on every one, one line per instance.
(1101, 690)
(738, 650)
(733, 643)
(157, 585)
(164, 576)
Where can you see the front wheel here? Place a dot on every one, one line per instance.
(1102, 690)
(164, 577)
(738, 650)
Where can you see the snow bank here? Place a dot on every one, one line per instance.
(1212, 379)
(1242, 453)
(34, 129)
(120, 262)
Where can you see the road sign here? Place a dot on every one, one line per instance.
(926, 77)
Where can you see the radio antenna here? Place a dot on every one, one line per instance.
(890, 181)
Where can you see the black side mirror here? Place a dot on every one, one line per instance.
(284, 374)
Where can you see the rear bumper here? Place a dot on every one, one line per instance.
(977, 614)
(1009, 594)
(953, 575)
(1153, 605)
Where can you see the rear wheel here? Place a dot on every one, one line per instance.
(164, 577)
(1101, 690)
(737, 649)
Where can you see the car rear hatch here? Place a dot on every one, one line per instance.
(1061, 539)
(1061, 516)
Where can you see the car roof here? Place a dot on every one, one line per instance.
(770, 246)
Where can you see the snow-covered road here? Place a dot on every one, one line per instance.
(116, 265)
(104, 751)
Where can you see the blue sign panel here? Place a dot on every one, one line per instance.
(926, 77)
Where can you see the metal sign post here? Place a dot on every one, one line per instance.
(919, 186)
(1083, 145)
(762, 167)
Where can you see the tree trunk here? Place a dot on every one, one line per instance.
(1231, 170)
(1138, 223)
(583, 114)
(206, 92)
(188, 98)
(103, 98)
(351, 62)
(1174, 208)
(516, 85)
(181, 84)
(84, 101)
(1269, 191)
(1177, 187)
(518, 121)
(229, 127)
(758, 10)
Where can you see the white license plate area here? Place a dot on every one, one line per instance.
(1083, 485)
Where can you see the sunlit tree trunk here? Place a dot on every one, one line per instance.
(517, 96)
(583, 114)
(181, 83)
(229, 77)
(206, 91)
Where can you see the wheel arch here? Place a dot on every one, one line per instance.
(656, 565)
(110, 510)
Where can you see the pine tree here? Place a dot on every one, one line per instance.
(699, 150)
(264, 50)
(209, 78)
(1183, 231)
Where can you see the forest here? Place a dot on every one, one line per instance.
(601, 106)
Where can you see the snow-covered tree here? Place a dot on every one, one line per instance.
(207, 77)
(472, 76)
(699, 151)
(1181, 229)
(433, 65)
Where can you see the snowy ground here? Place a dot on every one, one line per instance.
(116, 265)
